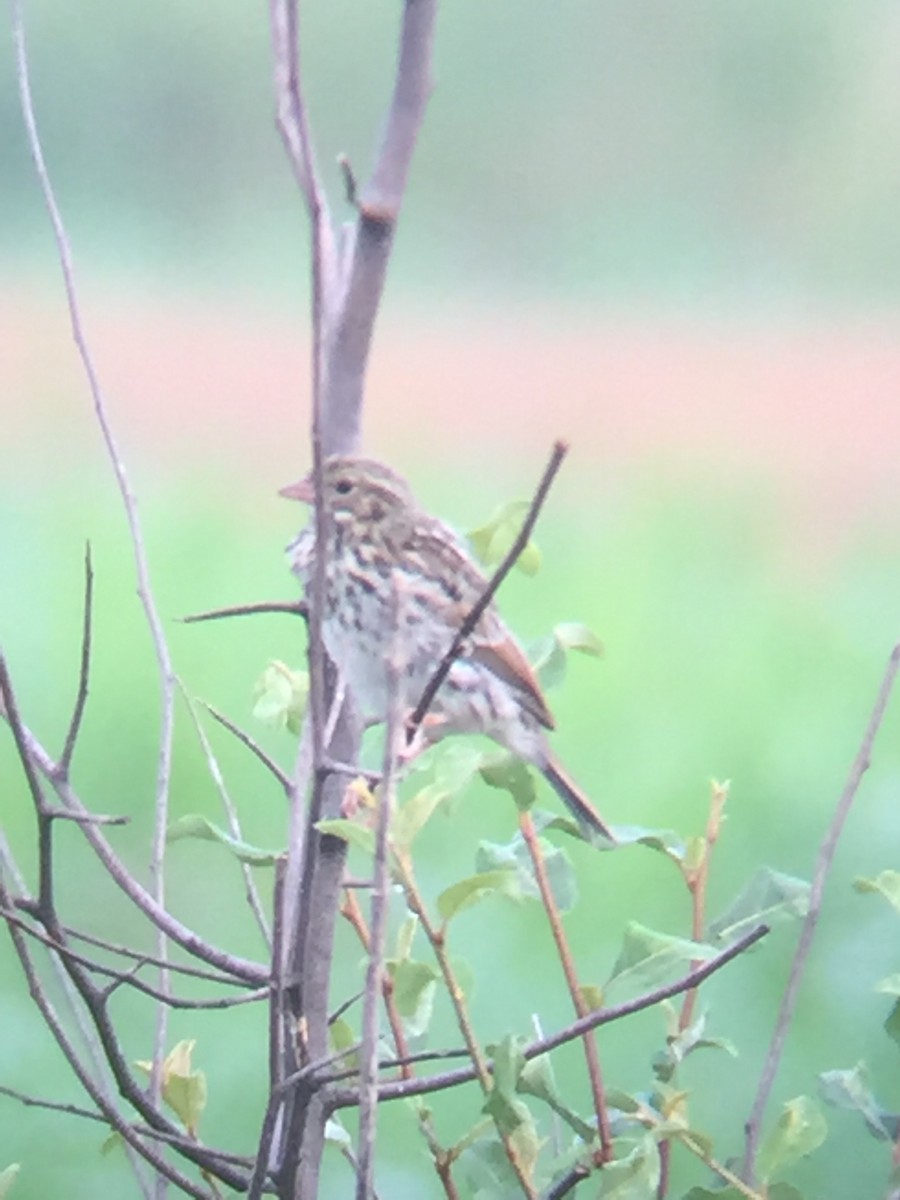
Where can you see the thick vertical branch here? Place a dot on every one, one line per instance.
(345, 300)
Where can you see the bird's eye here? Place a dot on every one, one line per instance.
(343, 486)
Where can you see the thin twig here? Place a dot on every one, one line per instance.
(128, 978)
(397, 1089)
(353, 913)
(111, 1114)
(252, 745)
(231, 815)
(296, 608)
(481, 1067)
(129, 504)
(592, 1057)
(560, 449)
(243, 969)
(824, 860)
(65, 759)
(87, 1114)
(375, 974)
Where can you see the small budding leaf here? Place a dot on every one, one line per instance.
(502, 1103)
(851, 1089)
(768, 897)
(8, 1178)
(801, 1128)
(341, 1038)
(886, 884)
(280, 696)
(680, 1044)
(648, 959)
(467, 892)
(491, 542)
(195, 826)
(183, 1089)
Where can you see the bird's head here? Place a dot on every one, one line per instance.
(355, 488)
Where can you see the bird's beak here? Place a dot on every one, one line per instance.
(303, 489)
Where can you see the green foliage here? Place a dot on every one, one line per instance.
(183, 1087)
(280, 697)
(7, 1179)
(195, 826)
(492, 541)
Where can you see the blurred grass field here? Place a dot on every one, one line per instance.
(666, 233)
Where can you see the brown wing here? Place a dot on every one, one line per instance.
(432, 543)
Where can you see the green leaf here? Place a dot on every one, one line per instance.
(195, 826)
(412, 816)
(549, 656)
(889, 986)
(406, 935)
(851, 1089)
(8, 1178)
(634, 1175)
(509, 774)
(349, 832)
(502, 1103)
(112, 1142)
(663, 841)
(892, 1024)
(681, 1043)
(515, 856)
(536, 1079)
(648, 959)
(886, 884)
(337, 1135)
(491, 542)
(487, 1173)
(183, 1088)
(768, 897)
(342, 1038)
(801, 1128)
(414, 989)
(280, 697)
(467, 892)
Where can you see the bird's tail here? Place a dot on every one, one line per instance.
(574, 798)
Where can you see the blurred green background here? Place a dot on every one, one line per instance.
(666, 231)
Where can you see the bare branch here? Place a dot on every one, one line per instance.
(110, 1113)
(129, 504)
(241, 968)
(65, 758)
(368, 1074)
(252, 745)
(824, 859)
(296, 608)
(397, 1089)
(234, 824)
(128, 978)
(379, 208)
(592, 1056)
(560, 449)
